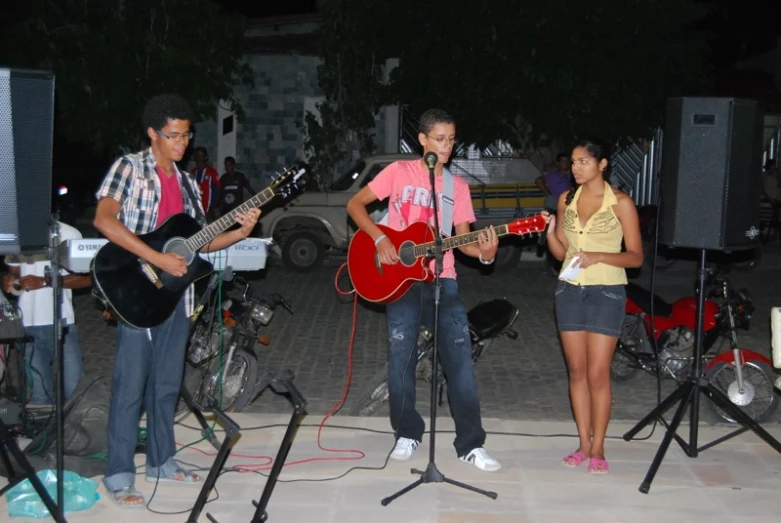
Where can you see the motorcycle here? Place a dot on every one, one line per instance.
(487, 321)
(220, 357)
(748, 384)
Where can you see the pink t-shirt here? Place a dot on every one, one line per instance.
(171, 201)
(408, 189)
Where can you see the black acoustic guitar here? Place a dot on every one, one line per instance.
(144, 296)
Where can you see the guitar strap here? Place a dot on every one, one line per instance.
(446, 227)
(193, 201)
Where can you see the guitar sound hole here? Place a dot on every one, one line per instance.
(179, 246)
(406, 254)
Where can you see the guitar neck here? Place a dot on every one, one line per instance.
(450, 243)
(214, 229)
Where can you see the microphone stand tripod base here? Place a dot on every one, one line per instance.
(433, 475)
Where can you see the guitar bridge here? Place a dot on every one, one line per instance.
(151, 274)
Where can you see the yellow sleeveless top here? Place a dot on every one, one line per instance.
(602, 233)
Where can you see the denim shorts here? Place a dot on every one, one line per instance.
(592, 308)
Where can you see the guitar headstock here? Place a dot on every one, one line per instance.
(524, 226)
(287, 182)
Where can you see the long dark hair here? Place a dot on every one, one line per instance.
(600, 152)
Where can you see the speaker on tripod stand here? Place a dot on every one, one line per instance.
(27, 227)
(709, 201)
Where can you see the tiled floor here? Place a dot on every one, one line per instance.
(738, 481)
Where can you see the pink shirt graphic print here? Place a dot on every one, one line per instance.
(407, 187)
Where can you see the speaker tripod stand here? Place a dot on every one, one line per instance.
(688, 394)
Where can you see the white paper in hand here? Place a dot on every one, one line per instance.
(572, 270)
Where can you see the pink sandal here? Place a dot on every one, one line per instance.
(574, 459)
(598, 466)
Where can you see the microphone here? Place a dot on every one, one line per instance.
(431, 159)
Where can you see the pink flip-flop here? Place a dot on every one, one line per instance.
(574, 459)
(598, 466)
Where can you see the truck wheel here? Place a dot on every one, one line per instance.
(302, 252)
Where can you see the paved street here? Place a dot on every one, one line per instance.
(523, 379)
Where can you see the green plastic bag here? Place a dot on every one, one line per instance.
(24, 502)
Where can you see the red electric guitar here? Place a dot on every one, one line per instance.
(380, 283)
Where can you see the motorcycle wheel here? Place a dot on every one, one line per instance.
(374, 395)
(756, 374)
(240, 380)
(623, 367)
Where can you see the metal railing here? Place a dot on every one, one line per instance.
(636, 169)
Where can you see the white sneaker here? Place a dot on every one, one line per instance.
(404, 449)
(481, 459)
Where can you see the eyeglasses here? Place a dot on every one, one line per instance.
(441, 140)
(183, 137)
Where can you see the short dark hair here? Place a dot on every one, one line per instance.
(202, 149)
(559, 157)
(165, 107)
(431, 118)
(230, 159)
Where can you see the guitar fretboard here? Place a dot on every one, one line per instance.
(216, 228)
(426, 249)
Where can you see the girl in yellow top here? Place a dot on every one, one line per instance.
(591, 221)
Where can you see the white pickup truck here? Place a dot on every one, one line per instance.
(316, 223)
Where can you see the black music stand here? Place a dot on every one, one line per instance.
(688, 395)
(232, 431)
(280, 383)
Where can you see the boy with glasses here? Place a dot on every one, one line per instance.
(141, 191)
(406, 185)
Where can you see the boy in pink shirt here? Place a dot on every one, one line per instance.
(407, 187)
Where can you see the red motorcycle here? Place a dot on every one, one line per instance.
(749, 384)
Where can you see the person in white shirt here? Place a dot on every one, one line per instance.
(27, 277)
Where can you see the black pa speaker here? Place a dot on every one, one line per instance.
(711, 173)
(26, 136)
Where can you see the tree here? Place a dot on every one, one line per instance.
(111, 56)
(521, 71)
(352, 46)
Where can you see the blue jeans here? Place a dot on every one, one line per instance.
(405, 315)
(148, 371)
(39, 358)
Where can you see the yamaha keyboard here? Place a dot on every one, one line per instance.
(249, 254)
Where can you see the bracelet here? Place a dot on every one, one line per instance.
(378, 240)
(484, 262)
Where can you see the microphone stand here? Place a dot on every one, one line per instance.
(59, 359)
(432, 474)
